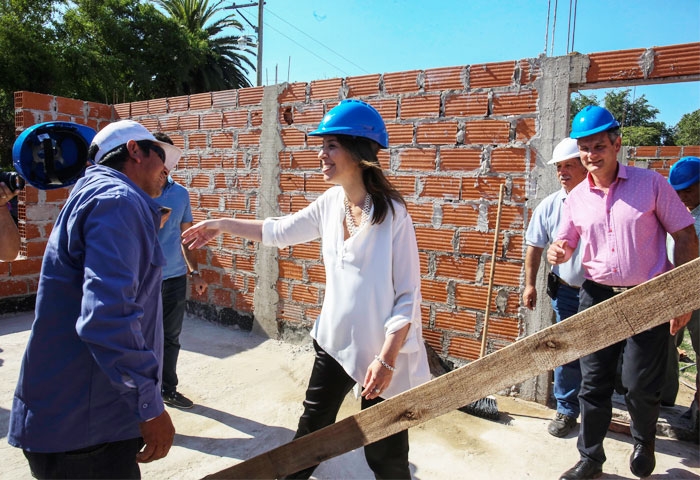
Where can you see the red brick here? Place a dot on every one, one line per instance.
(522, 102)
(316, 274)
(506, 273)
(617, 65)
(34, 101)
(303, 159)
(255, 118)
(292, 182)
(326, 89)
(212, 121)
(179, 104)
(470, 296)
(525, 129)
(12, 288)
(417, 159)
(669, 151)
(224, 98)
(460, 159)
(486, 132)
(308, 113)
(249, 139)
(139, 108)
(235, 119)
(645, 152)
(445, 78)
(400, 133)
(490, 75)
(461, 215)
(99, 110)
(434, 339)
(437, 133)
(293, 137)
(30, 266)
(467, 105)
(405, 184)
(475, 243)
(691, 150)
(421, 106)
(200, 101)
(447, 188)
(437, 240)
(235, 201)
(222, 140)
(315, 183)
(508, 160)
(158, 106)
(189, 122)
(294, 93)
(363, 85)
(422, 213)
(250, 96)
(401, 82)
(462, 268)
(456, 321)
(197, 140)
(308, 251)
(464, 348)
(387, 108)
(506, 328)
(433, 291)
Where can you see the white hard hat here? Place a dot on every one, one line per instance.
(566, 149)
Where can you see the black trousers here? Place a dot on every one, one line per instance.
(174, 291)
(643, 371)
(328, 386)
(114, 460)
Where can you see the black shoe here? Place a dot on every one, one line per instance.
(642, 460)
(583, 470)
(561, 425)
(176, 399)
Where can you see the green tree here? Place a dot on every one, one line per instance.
(636, 116)
(687, 131)
(223, 62)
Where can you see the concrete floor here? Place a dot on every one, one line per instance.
(248, 393)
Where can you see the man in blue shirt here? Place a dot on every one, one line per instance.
(564, 281)
(88, 397)
(179, 261)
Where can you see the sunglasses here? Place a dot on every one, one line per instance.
(148, 146)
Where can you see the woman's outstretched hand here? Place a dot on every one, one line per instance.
(200, 234)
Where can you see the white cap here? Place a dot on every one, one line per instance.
(566, 149)
(119, 133)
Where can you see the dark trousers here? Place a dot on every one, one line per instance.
(174, 292)
(643, 369)
(108, 460)
(328, 386)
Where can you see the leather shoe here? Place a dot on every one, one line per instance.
(584, 469)
(642, 460)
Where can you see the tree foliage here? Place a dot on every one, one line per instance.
(114, 51)
(636, 116)
(687, 131)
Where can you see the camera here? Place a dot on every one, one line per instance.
(13, 180)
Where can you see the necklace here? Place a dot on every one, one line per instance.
(350, 221)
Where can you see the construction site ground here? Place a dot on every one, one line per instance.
(248, 392)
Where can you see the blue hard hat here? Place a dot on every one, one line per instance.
(684, 173)
(52, 154)
(591, 120)
(355, 118)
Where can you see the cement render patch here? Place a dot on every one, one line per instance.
(248, 392)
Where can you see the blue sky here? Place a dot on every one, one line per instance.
(306, 40)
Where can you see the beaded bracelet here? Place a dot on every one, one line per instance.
(384, 364)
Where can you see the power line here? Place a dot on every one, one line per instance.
(316, 41)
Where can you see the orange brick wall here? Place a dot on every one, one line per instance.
(456, 134)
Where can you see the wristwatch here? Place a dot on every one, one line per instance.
(194, 272)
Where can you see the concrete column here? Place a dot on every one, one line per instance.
(266, 266)
(554, 85)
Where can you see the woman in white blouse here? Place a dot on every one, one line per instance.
(369, 331)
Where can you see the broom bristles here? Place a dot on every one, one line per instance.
(484, 408)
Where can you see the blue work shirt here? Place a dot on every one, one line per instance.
(91, 371)
(175, 197)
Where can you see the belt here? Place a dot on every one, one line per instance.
(560, 280)
(610, 287)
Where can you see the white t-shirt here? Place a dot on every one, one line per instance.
(372, 286)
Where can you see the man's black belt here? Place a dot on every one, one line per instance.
(610, 287)
(560, 280)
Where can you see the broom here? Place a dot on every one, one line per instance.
(487, 407)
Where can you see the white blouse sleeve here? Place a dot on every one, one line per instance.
(300, 227)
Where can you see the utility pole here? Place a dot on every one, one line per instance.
(261, 4)
(258, 31)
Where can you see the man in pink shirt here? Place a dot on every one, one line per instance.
(621, 216)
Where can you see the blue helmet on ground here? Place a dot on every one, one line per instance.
(684, 173)
(355, 118)
(52, 154)
(592, 119)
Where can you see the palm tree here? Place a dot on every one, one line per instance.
(223, 64)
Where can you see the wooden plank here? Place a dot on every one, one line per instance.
(646, 306)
